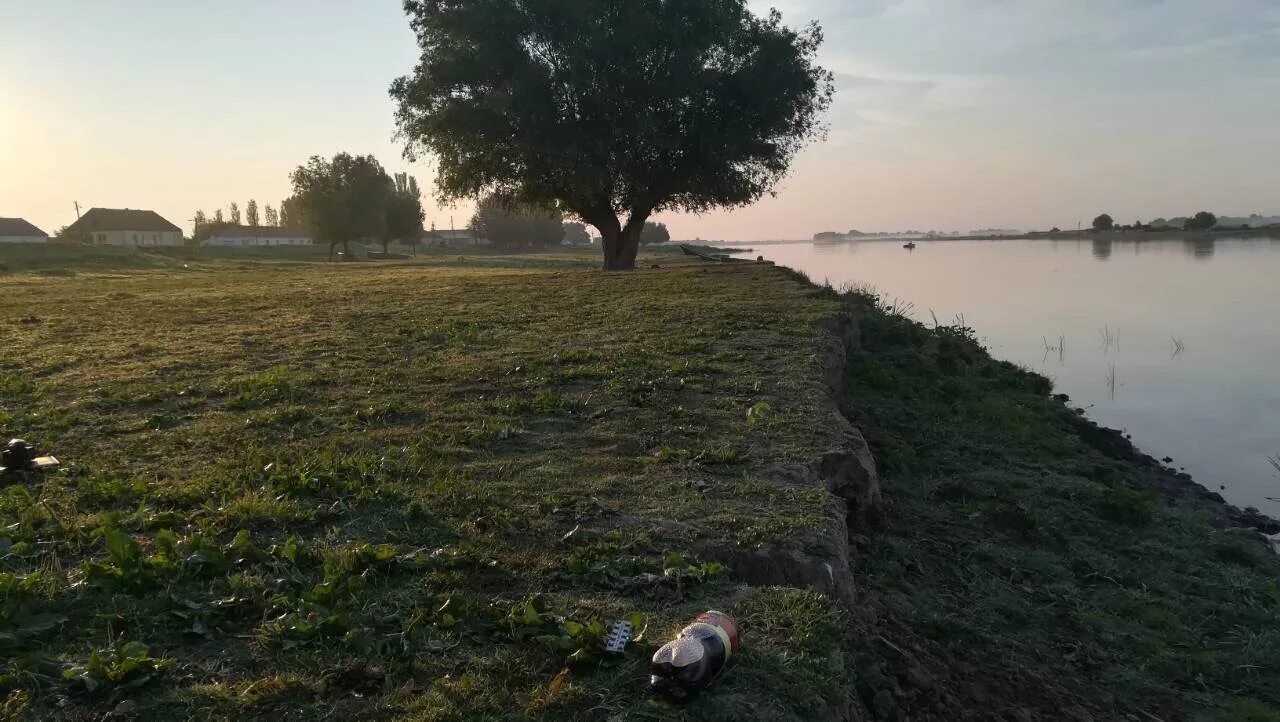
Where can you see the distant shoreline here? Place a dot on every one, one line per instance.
(1171, 235)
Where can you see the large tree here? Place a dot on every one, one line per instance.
(343, 199)
(235, 214)
(404, 213)
(269, 213)
(251, 212)
(610, 110)
(1103, 222)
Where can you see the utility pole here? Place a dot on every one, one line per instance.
(77, 209)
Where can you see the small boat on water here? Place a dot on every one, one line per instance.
(910, 245)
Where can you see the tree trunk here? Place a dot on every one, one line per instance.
(331, 245)
(346, 251)
(621, 243)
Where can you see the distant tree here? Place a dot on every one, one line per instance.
(217, 217)
(510, 225)
(251, 212)
(292, 215)
(605, 109)
(576, 233)
(1202, 221)
(269, 213)
(198, 221)
(654, 233)
(343, 199)
(1055, 229)
(404, 213)
(235, 214)
(1103, 222)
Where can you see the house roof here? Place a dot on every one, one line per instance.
(120, 219)
(19, 227)
(259, 232)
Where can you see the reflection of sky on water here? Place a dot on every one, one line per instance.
(1214, 407)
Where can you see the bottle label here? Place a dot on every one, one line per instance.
(725, 627)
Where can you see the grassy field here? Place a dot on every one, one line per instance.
(412, 490)
(421, 490)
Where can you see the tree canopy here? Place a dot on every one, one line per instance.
(576, 233)
(654, 233)
(1202, 221)
(610, 110)
(343, 199)
(1103, 222)
(404, 212)
(508, 224)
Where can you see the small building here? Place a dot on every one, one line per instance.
(18, 230)
(258, 236)
(124, 227)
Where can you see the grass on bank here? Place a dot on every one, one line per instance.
(411, 490)
(1026, 575)
(60, 259)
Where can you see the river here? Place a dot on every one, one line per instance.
(1175, 342)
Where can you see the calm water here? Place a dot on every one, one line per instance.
(1175, 342)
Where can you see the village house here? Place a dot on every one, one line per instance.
(258, 236)
(124, 227)
(18, 230)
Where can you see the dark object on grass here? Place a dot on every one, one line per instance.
(19, 455)
(910, 245)
(689, 663)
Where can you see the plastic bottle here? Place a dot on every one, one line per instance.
(689, 663)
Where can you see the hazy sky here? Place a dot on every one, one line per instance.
(950, 114)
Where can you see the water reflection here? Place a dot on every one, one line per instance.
(1195, 379)
(1200, 248)
(1102, 248)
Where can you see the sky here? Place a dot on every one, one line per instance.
(949, 114)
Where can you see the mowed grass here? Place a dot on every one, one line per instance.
(417, 490)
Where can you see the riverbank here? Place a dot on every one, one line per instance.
(424, 489)
(1035, 566)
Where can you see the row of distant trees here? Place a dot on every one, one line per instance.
(349, 198)
(1202, 221)
(336, 201)
(512, 225)
(204, 225)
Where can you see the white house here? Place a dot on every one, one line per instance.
(257, 236)
(124, 227)
(18, 230)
